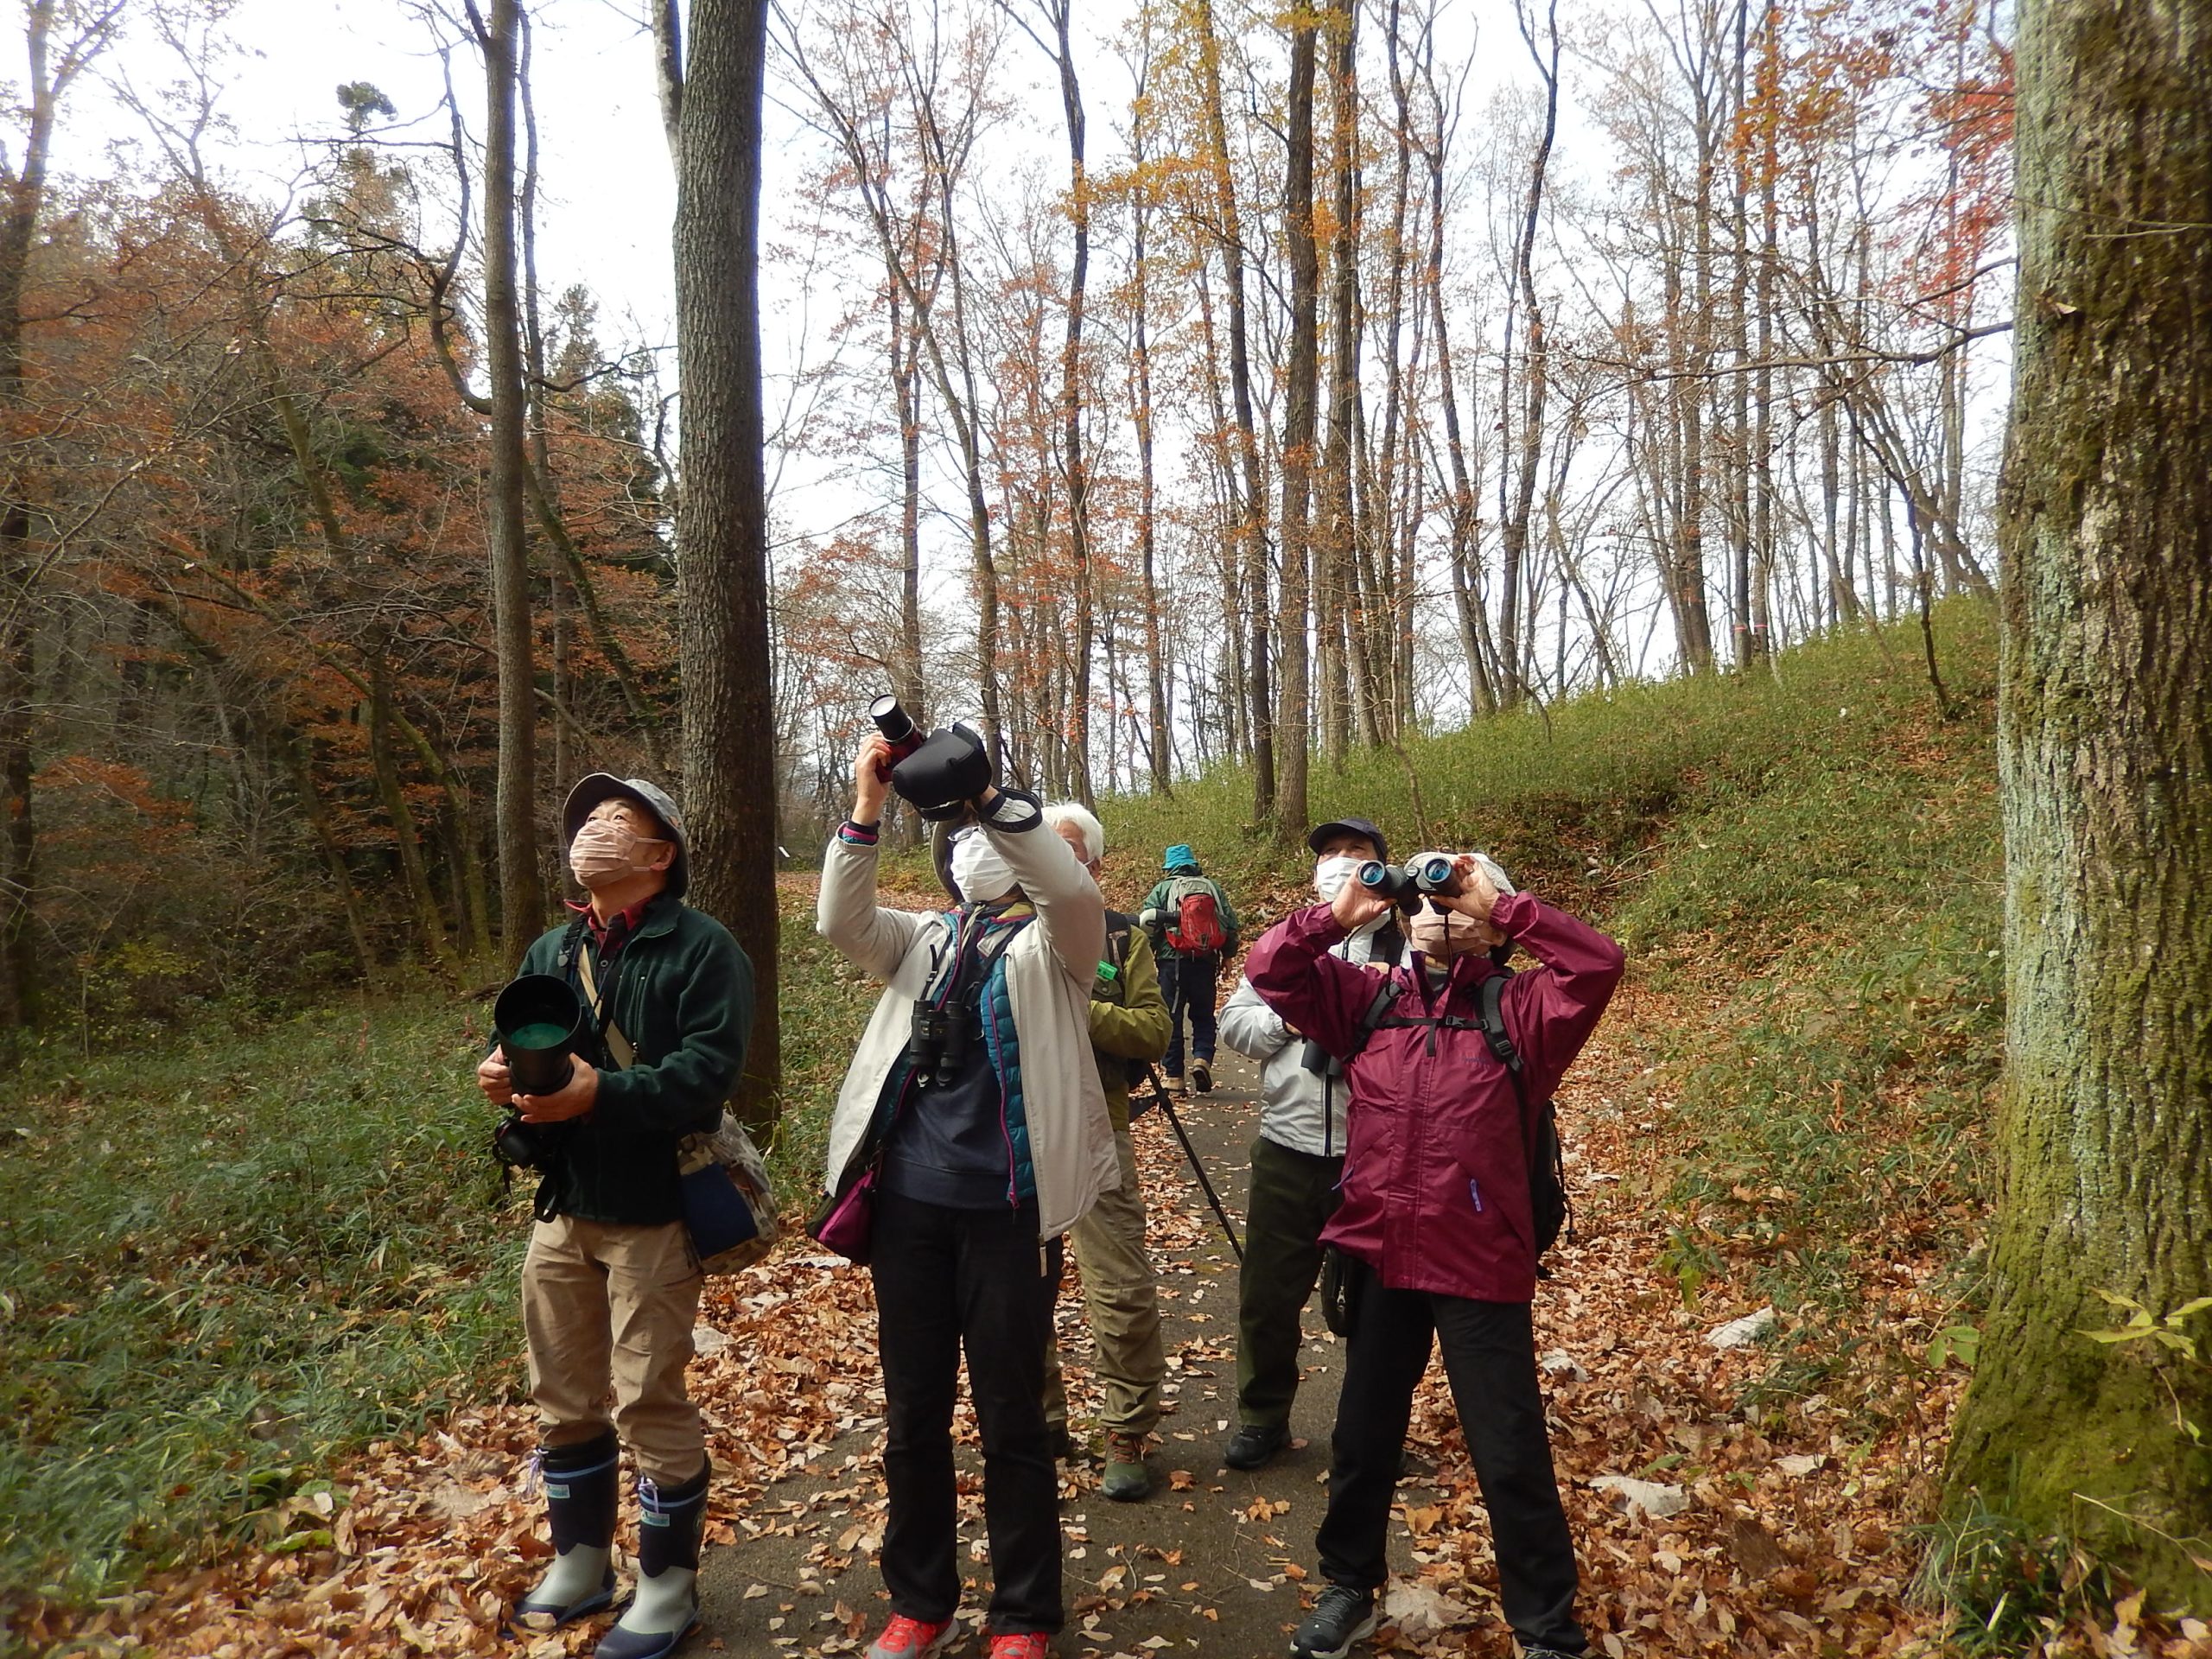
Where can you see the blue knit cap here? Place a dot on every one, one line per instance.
(1179, 857)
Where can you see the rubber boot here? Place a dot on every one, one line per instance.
(581, 1482)
(665, 1608)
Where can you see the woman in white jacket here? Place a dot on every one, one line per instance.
(994, 1137)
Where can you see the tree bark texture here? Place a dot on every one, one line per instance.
(729, 770)
(1300, 415)
(522, 895)
(2105, 751)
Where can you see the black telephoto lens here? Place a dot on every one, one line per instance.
(894, 723)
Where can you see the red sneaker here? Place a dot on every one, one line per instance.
(1030, 1645)
(910, 1638)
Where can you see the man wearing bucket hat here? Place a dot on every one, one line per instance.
(610, 1282)
(1193, 931)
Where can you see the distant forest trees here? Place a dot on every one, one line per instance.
(1190, 386)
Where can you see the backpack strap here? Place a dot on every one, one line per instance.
(1390, 946)
(1490, 1004)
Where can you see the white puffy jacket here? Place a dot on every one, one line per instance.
(1049, 968)
(1301, 1110)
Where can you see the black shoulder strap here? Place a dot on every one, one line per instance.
(1489, 1005)
(1389, 947)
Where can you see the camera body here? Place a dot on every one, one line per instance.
(936, 775)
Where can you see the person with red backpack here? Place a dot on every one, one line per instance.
(1193, 930)
(1437, 1232)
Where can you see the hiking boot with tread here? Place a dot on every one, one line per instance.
(1201, 1076)
(1255, 1445)
(1341, 1618)
(1126, 1479)
(911, 1638)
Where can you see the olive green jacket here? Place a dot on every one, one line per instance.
(1128, 1016)
(681, 990)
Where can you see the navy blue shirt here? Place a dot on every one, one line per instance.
(948, 1142)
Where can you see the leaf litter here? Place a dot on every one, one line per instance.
(1782, 1530)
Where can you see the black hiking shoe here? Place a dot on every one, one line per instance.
(1253, 1446)
(1339, 1619)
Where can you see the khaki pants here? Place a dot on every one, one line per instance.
(611, 1309)
(1124, 1309)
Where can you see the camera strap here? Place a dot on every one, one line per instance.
(620, 1048)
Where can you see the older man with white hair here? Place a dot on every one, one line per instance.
(1128, 1031)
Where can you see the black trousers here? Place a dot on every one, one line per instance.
(1187, 983)
(948, 1280)
(1489, 1355)
(1291, 1199)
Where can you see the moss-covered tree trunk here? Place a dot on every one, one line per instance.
(2106, 758)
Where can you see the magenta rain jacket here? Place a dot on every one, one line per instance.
(1436, 1173)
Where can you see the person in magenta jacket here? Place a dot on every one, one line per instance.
(1436, 1223)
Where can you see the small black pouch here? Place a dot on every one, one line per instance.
(1342, 1277)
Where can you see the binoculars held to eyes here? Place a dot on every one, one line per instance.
(1431, 875)
(936, 775)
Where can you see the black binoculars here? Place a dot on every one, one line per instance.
(938, 1041)
(539, 1021)
(1435, 874)
(936, 775)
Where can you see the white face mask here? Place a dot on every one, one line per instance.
(1331, 875)
(978, 871)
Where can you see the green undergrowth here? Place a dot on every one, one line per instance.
(1805, 866)
(233, 1253)
(225, 1255)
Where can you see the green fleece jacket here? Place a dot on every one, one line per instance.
(1128, 1016)
(680, 990)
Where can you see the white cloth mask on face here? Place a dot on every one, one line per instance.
(606, 852)
(1331, 875)
(982, 876)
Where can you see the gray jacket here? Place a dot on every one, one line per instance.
(1301, 1110)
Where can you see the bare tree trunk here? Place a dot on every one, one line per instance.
(1140, 372)
(1298, 419)
(1071, 460)
(1259, 690)
(52, 65)
(1334, 577)
(730, 781)
(2105, 756)
(522, 896)
(1514, 532)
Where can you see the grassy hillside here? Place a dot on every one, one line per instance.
(226, 1257)
(1806, 869)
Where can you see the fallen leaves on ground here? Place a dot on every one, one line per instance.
(1792, 1534)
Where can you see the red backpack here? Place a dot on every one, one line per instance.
(1195, 929)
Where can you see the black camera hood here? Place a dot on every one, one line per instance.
(951, 768)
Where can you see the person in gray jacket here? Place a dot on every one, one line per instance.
(1297, 1161)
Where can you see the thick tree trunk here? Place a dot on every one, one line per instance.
(1298, 421)
(1258, 691)
(522, 895)
(729, 770)
(2105, 751)
(1078, 482)
(1334, 578)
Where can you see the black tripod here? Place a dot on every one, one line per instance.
(1161, 1098)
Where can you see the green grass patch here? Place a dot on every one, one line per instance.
(227, 1255)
